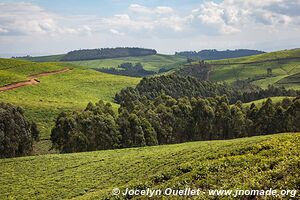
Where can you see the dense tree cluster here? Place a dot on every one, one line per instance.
(17, 134)
(213, 54)
(199, 69)
(127, 69)
(185, 86)
(92, 54)
(165, 120)
(95, 128)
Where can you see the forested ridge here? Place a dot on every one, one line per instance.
(185, 86)
(92, 54)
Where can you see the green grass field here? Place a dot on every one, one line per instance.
(151, 62)
(281, 69)
(249, 163)
(12, 70)
(51, 58)
(68, 91)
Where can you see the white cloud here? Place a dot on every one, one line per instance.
(145, 10)
(27, 19)
(232, 16)
(116, 32)
(3, 30)
(145, 18)
(25, 27)
(163, 10)
(139, 9)
(124, 21)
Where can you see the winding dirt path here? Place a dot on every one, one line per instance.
(32, 80)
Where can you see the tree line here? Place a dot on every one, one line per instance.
(92, 54)
(127, 69)
(166, 120)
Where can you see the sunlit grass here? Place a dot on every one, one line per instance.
(249, 163)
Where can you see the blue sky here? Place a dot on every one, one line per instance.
(39, 27)
(110, 7)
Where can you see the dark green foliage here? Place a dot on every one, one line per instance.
(127, 69)
(92, 54)
(172, 109)
(213, 54)
(292, 117)
(198, 70)
(186, 86)
(212, 118)
(174, 86)
(165, 120)
(93, 129)
(16, 132)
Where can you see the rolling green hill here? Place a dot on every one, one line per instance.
(51, 58)
(292, 80)
(74, 89)
(67, 91)
(249, 163)
(12, 70)
(151, 62)
(283, 64)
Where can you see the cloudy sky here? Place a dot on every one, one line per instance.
(39, 27)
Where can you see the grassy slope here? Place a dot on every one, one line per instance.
(12, 70)
(249, 163)
(280, 69)
(291, 81)
(62, 92)
(152, 62)
(51, 58)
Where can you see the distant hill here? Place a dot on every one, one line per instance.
(156, 63)
(50, 58)
(281, 68)
(93, 54)
(213, 54)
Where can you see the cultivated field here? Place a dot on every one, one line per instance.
(250, 163)
(284, 64)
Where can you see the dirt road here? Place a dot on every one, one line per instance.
(32, 80)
